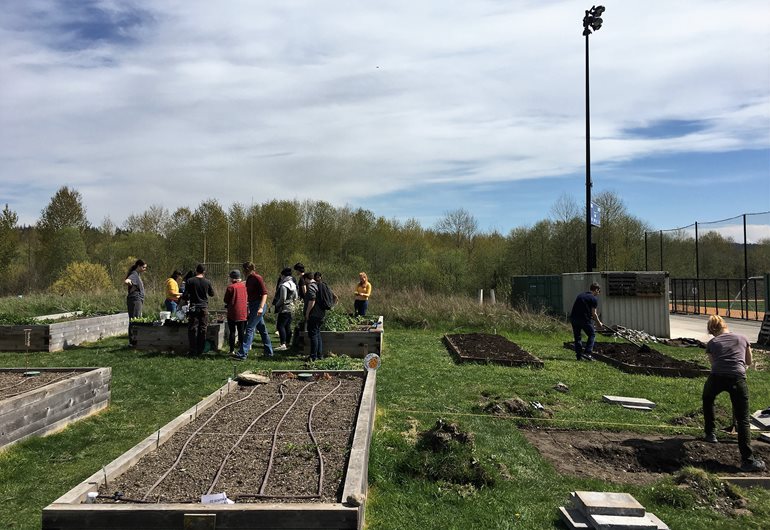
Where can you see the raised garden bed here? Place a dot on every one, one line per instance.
(485, 347)
(634, 359)
(358, 342)
(40, 404)
(57, 336)
(291, 453)
(172, 336)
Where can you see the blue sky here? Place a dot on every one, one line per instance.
(409, 109)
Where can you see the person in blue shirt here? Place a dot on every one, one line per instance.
(582, 318)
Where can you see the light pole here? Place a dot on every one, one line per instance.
(591, 21)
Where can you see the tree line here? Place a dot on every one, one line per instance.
(453, 256)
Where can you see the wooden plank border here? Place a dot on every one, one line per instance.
(58, 336)
(357, 343)
(69, 512)
(52, 407)
(649, 370)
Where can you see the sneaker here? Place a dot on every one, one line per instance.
(753, 464)
(282, 347)
(711, 438)
(277, 333)
(236, 357)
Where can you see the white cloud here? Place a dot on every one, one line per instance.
(341, 101)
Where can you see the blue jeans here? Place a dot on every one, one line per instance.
(577, 329)
(359, 307)
(314, 334)
(171, 306)
(255, 322)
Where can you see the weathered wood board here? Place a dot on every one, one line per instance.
(358, 343)
(52, 407)
(57, 336)
(172, 336)
(71, 512)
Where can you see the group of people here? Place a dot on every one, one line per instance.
(246, 304)
(729, 355)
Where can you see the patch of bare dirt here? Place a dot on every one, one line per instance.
(633, 355)
(15, 383)
(486, 347)
(630, 458)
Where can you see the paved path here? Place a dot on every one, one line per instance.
(694, 327)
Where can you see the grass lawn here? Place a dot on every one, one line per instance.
(418, 383)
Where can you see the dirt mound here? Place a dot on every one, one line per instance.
(691, 488)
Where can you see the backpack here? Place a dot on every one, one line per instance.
(325, 297)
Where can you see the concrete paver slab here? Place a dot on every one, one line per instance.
(637, 407)
(622, 522)
(763, 422)
(623, 400)
(573, 518)
(607, 503)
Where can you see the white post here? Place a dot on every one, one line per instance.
(492, 297)
(481, 296)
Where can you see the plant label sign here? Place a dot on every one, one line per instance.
(216, 498)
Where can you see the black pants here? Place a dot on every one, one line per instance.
(739, 397)
(284, 328)
(197, 325)
(232, 327)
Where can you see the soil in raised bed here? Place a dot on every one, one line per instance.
(639, 356)
(630, 458)
(15, 383)
(292, 471)
(488, 347)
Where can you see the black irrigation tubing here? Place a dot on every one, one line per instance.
(312, 437)
(275, 439)
(184, 447)
(243, 435)
(36, 387)
(261, 494)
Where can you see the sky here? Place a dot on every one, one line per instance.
(408, 109)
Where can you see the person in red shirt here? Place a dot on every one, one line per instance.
(236, 300)
(257, 295)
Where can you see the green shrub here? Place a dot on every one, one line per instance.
(82, 277)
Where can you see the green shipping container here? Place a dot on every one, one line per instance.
(538, 292)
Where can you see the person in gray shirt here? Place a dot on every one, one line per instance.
(729, 355)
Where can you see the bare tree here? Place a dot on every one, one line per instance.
(459, 224)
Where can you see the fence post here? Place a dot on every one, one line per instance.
(481, 296)
(645, 252)
(661, 250)
(697, 255)
(492, 299)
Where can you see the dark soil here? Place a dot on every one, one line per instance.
(490, 348)
(630, 458)
(295, 467)
(633, 355)
(15, 383)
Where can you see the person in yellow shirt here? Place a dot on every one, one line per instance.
(363, 291)
(172, 291)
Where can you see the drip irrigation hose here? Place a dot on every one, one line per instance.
(243, 435)
(25, 380)
(184, 447)
(275, 439)
(315, 442)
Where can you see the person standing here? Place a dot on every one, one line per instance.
(236, 303)
(314, 316)
(257, 295)
(135, 298)
(729, 355)
(582, 318)
(285, 297)
(363, 291)
(172, 291)
(197, 292)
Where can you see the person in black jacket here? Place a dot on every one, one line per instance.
(197, 291)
